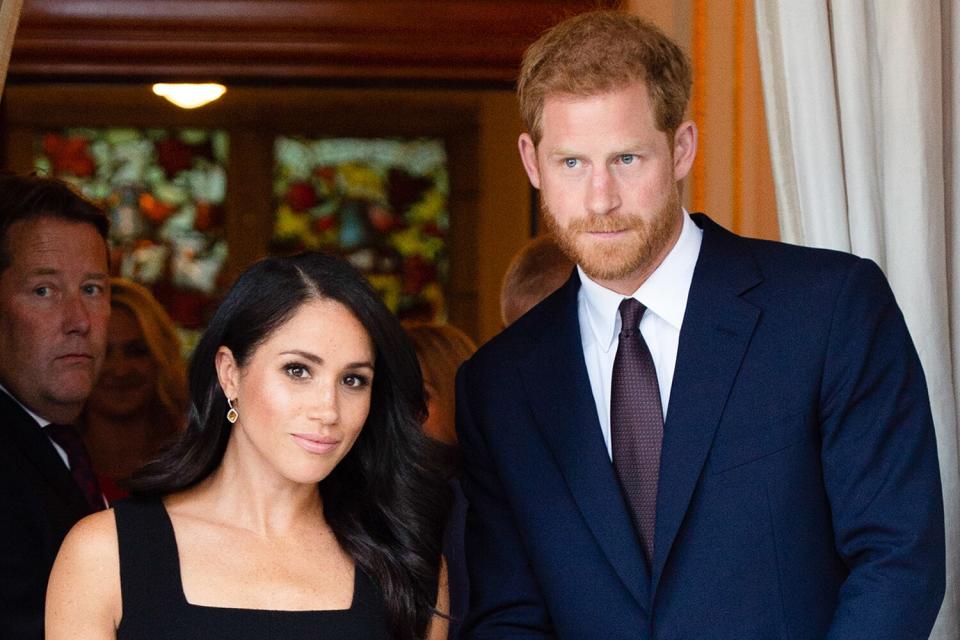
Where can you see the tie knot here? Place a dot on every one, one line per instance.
(631, 310)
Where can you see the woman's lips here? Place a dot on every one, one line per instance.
(315, 444)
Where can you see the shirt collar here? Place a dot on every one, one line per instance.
(663, 293)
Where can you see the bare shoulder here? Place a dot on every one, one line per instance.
(90, 553)
(84, 589)
(95, 534)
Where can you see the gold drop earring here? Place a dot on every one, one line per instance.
(232, 414)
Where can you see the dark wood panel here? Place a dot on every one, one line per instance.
(455, 40)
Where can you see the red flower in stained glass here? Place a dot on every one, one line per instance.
(326, 174)
(417, 273)
(187, 307)
(382, 219)
(68, 155)
(322, 224)
(431, 229)
(405, 190)
(154, 209)
(208, 217)
(174, 156)
(301, 196)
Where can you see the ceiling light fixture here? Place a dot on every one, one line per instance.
(189, 96)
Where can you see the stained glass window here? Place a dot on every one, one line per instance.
(380, 203)
(164, 192)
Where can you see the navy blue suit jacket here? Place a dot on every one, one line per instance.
(799, 491)
(39, 502)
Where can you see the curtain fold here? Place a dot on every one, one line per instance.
(9, 18)
(865, 143)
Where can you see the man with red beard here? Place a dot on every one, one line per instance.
(54, 308)
(698, 435)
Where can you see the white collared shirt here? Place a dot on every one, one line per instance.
(42, 423)
(664, 294)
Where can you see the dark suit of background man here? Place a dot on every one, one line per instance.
(797, 493)
(54, 307)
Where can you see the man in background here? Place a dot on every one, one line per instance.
(538, 269)
(54, 308)
(699, 435)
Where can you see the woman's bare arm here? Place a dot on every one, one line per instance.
(83, 596)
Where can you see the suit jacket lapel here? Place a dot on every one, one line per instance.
(23, 432)
(557, 384)
(717, 328)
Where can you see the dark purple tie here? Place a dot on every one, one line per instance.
(636, 423)
(81, 468)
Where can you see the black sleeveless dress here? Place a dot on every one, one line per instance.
(155, 608)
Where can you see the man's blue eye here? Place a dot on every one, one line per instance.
(627, 158)
(42, 291)
(570, 163)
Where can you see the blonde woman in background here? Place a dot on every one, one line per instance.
(140, 401)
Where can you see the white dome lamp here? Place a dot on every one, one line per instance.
(189, 95)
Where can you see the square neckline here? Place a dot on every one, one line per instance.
(178, 579)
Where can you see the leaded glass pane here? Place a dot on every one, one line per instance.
(380, 203)
(164, 191)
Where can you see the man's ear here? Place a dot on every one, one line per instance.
(228, 373)
(528, 154)
(684, 149)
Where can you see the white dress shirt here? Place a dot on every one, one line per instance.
(664, 294)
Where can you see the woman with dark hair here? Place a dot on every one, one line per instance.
(302, 501)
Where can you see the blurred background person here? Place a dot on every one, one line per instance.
(300, 502)
(536, 270)
(140, 401)
(441, 349)
(54, 307)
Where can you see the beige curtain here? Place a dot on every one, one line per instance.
(863, 108)
(9, 17)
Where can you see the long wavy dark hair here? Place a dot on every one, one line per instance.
(386, 501)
